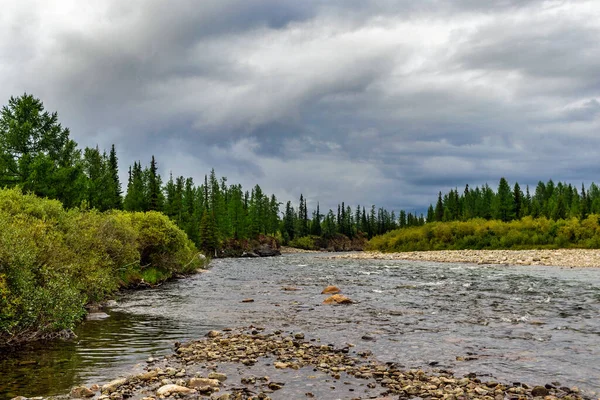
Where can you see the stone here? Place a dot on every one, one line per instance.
(290, 289)
(218, 376)
(539, 391)
(96, 316)
(248, 301)
(200, 382)
(337, 299)
(266, 250)
(213, 334)
(275, 385)
(168, 390)
(113, 385)
(280, 365)
(146, 376)
(331, 290)
(80, 392)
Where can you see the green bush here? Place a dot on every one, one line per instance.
(305, 242)
(53, 262)
(527, 233)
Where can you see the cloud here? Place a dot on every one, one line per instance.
(383, 102)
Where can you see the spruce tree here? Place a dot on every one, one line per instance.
(439, 208)
(518, 199)
(154, 187)
(115, 194)
(504, 202)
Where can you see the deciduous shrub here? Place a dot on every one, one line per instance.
(53, 261)
(527, 233)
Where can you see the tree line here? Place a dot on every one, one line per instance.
(38, 156)
(551, 200)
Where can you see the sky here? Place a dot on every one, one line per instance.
(367, 102)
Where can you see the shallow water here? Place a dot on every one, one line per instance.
(513, 324)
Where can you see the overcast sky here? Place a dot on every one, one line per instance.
(383, 102)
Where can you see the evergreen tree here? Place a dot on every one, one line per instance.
(135, 199)
(439, 208)
(209, 242)
(154, 187)
(115, 192)
(315, 226)
(37, 154)
(584, 204)
(504, 202)
(518, 201)
(289, 222)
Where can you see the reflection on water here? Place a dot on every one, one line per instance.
(528, 324)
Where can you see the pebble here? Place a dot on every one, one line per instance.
(250, 346)
(559, 257)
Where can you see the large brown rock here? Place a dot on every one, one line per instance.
(168, 390)
(201, 382)
(337, 299)
(80, 392)
(331, 290)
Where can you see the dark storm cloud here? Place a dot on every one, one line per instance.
(384, 102)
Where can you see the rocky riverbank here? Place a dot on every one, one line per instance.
(253, 364)
(561, 257)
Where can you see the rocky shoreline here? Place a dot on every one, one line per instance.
(251, 363)
(561, 257)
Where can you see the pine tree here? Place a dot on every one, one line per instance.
(518, 201)
(439, 208)
(209, 241)
(37, 154)
(315, 226)
(155, 197)
(504, 202)
(115, 192)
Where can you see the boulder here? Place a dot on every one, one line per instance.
(202, 382)
(79, 392)
(337, 299)
(266, 250)
(218, 376)
(249, 255)
(331, 290)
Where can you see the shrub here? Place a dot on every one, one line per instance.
(52, 261)
(527, 233)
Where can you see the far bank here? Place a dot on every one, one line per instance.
(589, 258)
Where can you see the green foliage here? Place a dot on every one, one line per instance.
(527, 233)
(54, 261)
(36, 152)
(305, 242)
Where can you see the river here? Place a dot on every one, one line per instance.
(525, 324)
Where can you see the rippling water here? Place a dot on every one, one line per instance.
(515, 324)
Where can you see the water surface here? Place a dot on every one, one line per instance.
(514, 324)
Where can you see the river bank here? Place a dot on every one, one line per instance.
(252, 363)
(561, 257)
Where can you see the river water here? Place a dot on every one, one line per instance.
(513, 324)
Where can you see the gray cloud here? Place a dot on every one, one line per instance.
(382, 102)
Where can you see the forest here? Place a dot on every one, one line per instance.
(38, 156)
